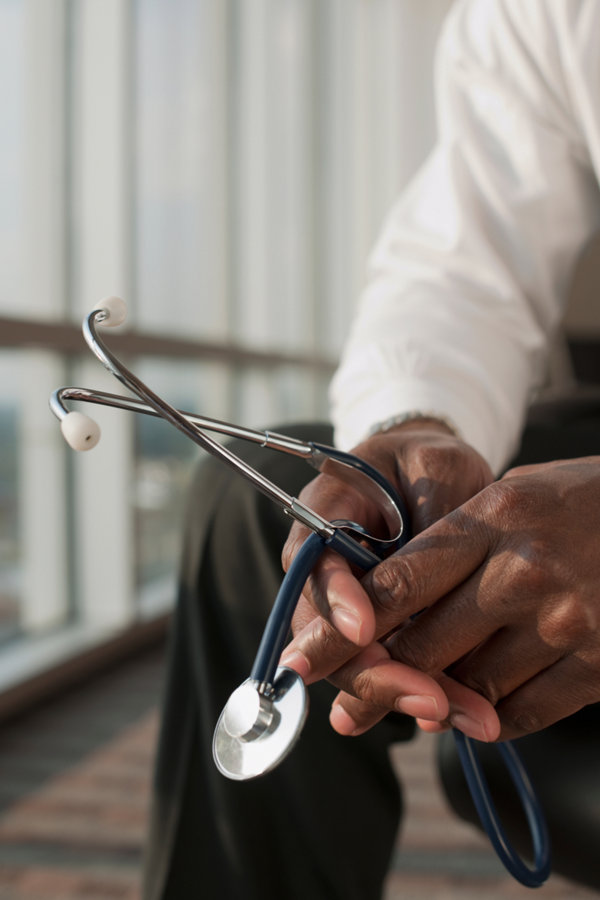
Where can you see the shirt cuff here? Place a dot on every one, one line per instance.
(464, 408)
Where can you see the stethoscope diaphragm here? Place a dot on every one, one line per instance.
(258, 727)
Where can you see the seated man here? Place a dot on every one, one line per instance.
(466, 289)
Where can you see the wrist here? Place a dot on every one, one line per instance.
(414, 420)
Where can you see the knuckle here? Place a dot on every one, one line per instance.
(569, 622)
(504, 500)
(390, 583)
(365, 688)
(433, 457)
(383, 586)
(326, 638)
(322, 646)
(531, 572)
(531, 565)
(519, 719)
(519, 471)
(443, 458)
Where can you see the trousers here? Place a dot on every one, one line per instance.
(323, 824)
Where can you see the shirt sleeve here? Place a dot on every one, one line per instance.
(469, 279)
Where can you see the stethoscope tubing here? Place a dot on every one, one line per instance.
(280, 619)
(530, 876)
(279, 622)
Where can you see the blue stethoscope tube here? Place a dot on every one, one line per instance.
(273, 641)
(531, 876)
(280, 619)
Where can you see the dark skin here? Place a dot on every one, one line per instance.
(506, 574)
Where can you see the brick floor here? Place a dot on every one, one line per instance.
(75, 802)
(77, 831)
(102, 802)
(80, 835)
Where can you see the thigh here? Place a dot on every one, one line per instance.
(323, 824)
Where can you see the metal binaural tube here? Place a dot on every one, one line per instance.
(191, 430)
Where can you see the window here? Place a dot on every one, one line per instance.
(10, 483)
(224, 165)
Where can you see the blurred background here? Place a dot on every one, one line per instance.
(223, 165)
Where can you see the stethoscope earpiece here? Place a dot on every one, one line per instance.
(79, 431)
(114, 311)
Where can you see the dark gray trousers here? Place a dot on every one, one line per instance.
(323, 825)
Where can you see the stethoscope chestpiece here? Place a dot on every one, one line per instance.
(259, 725)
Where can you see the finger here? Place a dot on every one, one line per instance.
(339, 597)
(470, 713)
(349, 723)
(445, 632)
(511, 657)
(557, 692)
(437, 491)
(372, 685)
(317, 650)
(428, 568)
(351, 716)
(332, 588)
(432, 727)
(460, 707)
(320, 648)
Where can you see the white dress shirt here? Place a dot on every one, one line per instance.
(469, 280)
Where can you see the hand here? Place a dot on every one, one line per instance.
(337, 622)
(510, 582)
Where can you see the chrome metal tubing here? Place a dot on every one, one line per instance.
(269, 439)
(188, 427)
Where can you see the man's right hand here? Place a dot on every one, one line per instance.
(434, 472)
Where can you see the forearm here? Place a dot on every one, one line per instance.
(470, 277)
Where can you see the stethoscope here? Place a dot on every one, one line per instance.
(264, 716)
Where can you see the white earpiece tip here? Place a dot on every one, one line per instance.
(115, 309)
(79, 431)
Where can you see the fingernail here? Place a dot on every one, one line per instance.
(296, 661)
(421, 706)
(341, 721)
(471, 727)
(347, 623)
